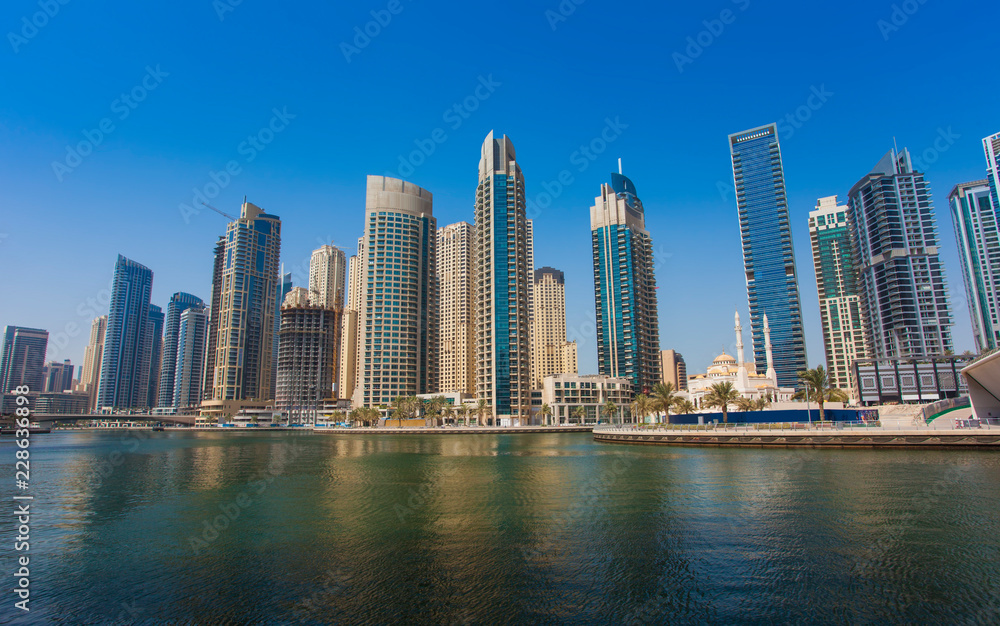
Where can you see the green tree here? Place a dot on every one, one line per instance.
(546, 413)
(721, 395)
(405, 407)
(482, 408)
(684, 406)
(744, 404)
(663, 398)
(610, 410)
(579, 413)
(641, 406)
(818, 389)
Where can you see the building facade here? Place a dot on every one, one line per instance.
(895, 251)
(975, 219)
(503, 340)
(565, 392)
(307, 357)
(189, 357)
(327, 277)
(628, 336)
(768, 256)
(837, 286)
(455, 275)
(398, 316)
(991, 146)
(90, 376)
(350, 344)
(128, 342)
(215, 311)
(244, 359)
(179, 302)
(550, 352)
(156, 323)
(673, 369)
(59, 376)
(23, 358)
(911, 380)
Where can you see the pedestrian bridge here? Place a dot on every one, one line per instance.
(49, 418)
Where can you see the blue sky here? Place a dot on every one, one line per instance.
(335, 106)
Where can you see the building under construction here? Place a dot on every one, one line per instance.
(307, 357)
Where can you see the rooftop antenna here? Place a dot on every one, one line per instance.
(619, 165)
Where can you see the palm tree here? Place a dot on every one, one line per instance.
(745, 404)
(546, 413)
(684, 406)
(481, 409)
(721, 395)
(641, 406)
(818, 389)
(664, 397)
(610, 410)
(405, 407)
(579, 413)
(762, 403)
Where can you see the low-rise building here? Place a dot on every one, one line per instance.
(565, 392)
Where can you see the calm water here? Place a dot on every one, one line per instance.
(299, 528)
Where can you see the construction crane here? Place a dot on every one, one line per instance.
(231, 218)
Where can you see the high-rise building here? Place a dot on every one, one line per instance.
(503, 340)
(23, 358)
(327, 274)
(215, 311)
(399, 317)
(58, 376)
(837, 286)
(768, 258)
(350, 340)
(156, 321)
(128, 341)
(179, 302)
(550, 352)
(90, 377)
(189, 357)
(628, 336)
(249, 293)
(975, 220)
(307, 355)
(991, 146)
(455, 274)
(673, 369)
(894, 247)
(284, 287)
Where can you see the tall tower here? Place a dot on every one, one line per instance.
(628, 336)
(179, 302)
(90, 376)
(502, 284)
(455, 275)
(23, 358)
(307, 355)
(128, 342)
(189, 357)
(991, 146)
(768, 258)
(894, 247)
(837, 287)
(244, 359)
(327, 275)
(551, 353)
(399, 317)
(215, 311)
(349, 339)
(975, 220)
(156, 320)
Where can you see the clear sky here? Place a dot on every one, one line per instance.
(155, 98)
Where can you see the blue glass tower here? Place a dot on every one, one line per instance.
(179, 302)
(128, 341)
(628, 337)
(768, 258)
(156, 319)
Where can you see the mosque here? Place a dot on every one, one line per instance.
(741, 374)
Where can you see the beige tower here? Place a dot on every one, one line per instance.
(349, 346)
(551, 353)
(327, 271)
(92, 356)
(455, 279)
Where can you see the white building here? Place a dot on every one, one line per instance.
(565, 392)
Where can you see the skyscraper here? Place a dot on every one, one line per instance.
(23, 358)
(189, 357)
(155, 353)
(284, 287)
(350, 327)
(895, 251)
(550, 352)
(90, 377)
(768, 258)
(975, 220)
(673, 369)
(249, 291)
(455, 274)
(327, 273)
(991, 146)
(59, 376)
(503, 340)
(215, 311)
(179, 302)
(128, 342)
(399, 317)
(837, 286)
(307, 355)
(628, 336)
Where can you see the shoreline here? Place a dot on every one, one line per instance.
(875, 437)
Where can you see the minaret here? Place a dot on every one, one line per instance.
(767, 346)
(742, 376)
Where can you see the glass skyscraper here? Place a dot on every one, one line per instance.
(156, 319)
(128, 341)
(628, 335)
(189, 359)
(975, 220)
(768, 257)
(23, 358)
(503, 283)
(991, 146)
(179, 302)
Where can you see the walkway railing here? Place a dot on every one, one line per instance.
(739, 427)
